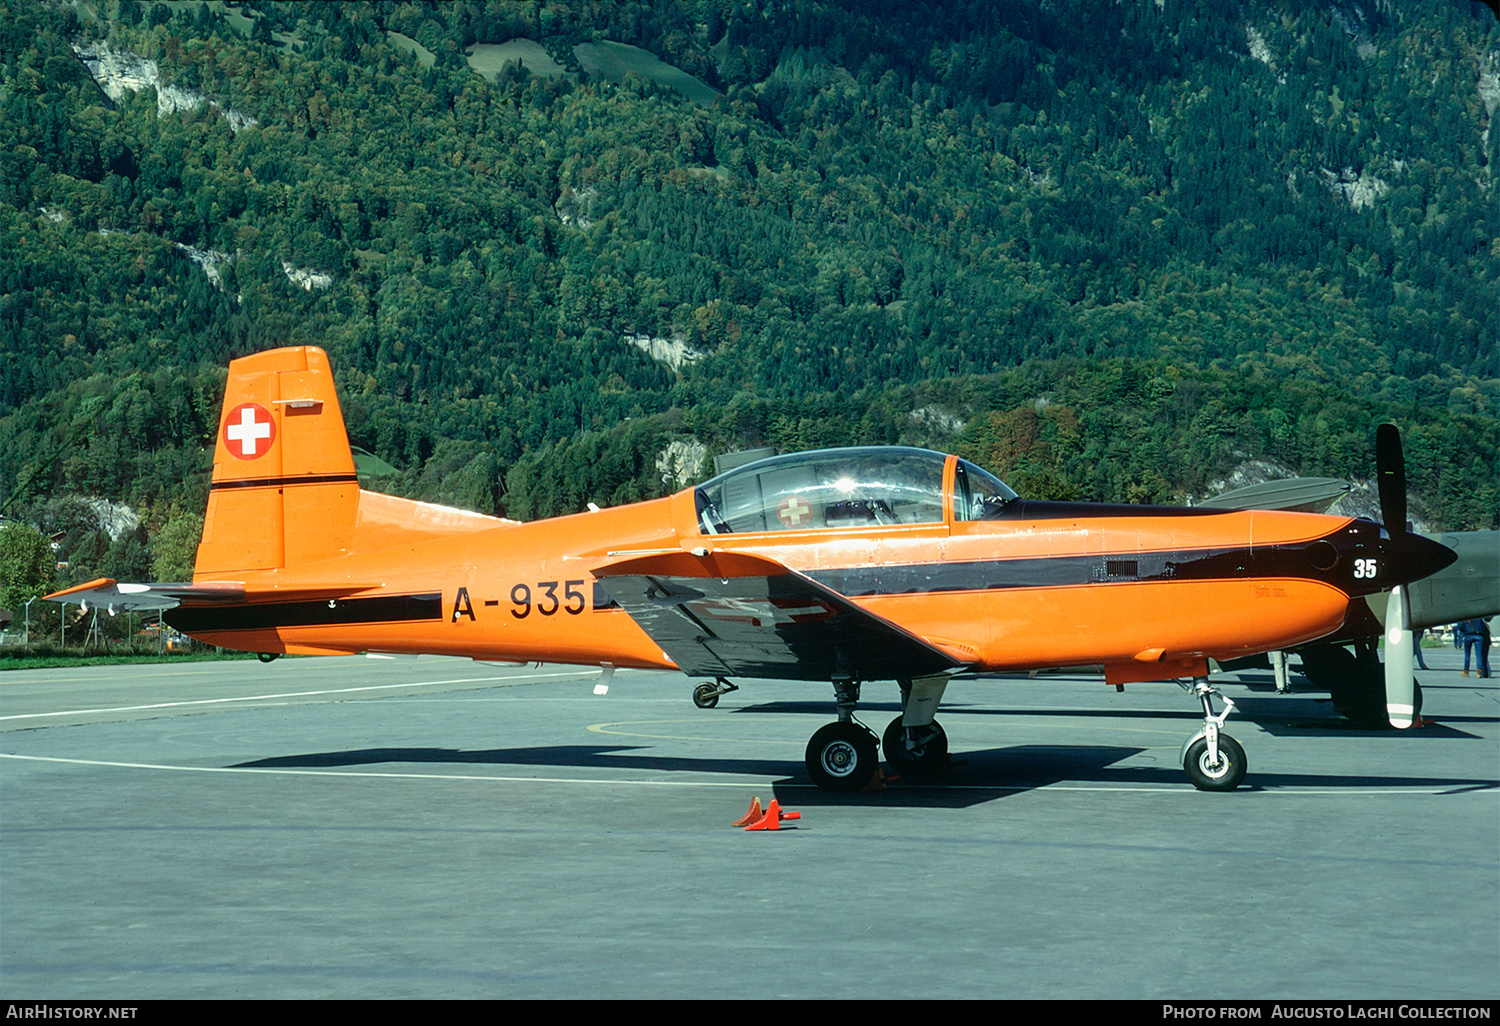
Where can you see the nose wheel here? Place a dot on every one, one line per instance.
(1209, 774)
(1212, 760)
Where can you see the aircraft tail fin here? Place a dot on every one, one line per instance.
(284, 490)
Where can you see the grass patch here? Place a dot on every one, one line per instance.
(425, 57)
(488, 59)
(614, 61)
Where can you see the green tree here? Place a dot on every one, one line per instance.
(26, 565)
(175, 547)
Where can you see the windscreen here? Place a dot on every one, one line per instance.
(826, 489)
(978, 494)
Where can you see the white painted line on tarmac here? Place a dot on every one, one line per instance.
(295, 694)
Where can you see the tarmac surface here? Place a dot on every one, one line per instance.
(436, 828)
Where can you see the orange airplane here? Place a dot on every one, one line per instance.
(840, 565)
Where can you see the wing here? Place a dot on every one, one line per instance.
(739, 615)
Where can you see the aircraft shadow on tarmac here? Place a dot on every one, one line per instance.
(975, 777)
(1279, 715)
(1278, 707)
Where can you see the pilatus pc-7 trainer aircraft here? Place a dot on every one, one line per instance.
(841, 565)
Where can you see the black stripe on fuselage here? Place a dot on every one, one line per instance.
(282, 482)
(1071, 571)
(327, 613)
(1044, 509)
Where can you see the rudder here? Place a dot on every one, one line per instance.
(284, 490)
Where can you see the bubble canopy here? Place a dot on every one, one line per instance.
(845, 488)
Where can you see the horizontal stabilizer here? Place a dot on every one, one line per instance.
(740, 615)
(107, 593)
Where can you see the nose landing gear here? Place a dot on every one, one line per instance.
(1212, 760)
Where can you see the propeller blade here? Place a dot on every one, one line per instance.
(1390, 476)
(1400, 686)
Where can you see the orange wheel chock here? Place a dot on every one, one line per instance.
(755, 813)
(773, 817)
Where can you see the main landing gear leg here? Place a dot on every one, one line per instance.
(1212, 759)
(843, 756)
(915, 742)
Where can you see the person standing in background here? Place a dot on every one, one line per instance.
(1470, 635)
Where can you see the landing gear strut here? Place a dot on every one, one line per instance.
(915, 749)
(914, 742)
(843, 756)
(1212, 760)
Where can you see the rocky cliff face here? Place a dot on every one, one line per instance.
(681, 463)
(119, 72)
(674, 352)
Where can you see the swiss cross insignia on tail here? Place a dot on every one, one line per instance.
(249, 431)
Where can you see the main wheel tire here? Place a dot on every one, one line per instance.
(932, 757)
(843, 757)
(1356, 683)
(705, 696)
(1226, 775)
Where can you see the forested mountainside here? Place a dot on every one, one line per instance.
(565, 252)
